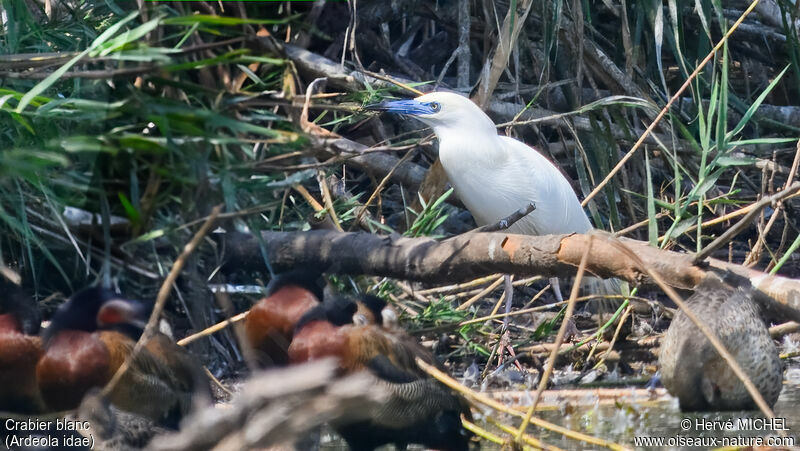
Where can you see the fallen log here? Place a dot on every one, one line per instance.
(472, 255)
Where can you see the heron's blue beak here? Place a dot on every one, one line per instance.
(411, 107)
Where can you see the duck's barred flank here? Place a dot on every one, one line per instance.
(693, 371)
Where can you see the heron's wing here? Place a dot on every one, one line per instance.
(529, 176)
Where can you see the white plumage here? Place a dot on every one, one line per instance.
(493, 175)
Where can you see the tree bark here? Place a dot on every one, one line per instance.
(472, 255)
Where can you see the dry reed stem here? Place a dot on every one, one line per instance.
(666, 108)
(616, 333)
(217, 382)
(712, 337)
(480, 295)
(538, 444)
(328, 199)
(161, 299)
(480, 432)
(459, 287)
(784, 329)
(498, 304)
(472, 292)
(405, 288)
(309, 198)
(551, 361)
(212, 329)
(485, 400)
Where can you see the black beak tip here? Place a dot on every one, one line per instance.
(376, 107)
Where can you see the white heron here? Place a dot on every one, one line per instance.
(495, 175)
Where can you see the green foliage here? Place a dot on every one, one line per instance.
(440, 312)
(715, 145)
(549, 327)
(163, 160)
(430, 218)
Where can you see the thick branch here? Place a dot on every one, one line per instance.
(407, 173)
(473, 255)
(316, 66)
(277, 407)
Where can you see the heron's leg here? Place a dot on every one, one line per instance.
(572, 329)
(509, 289)
(505, 345)
(556, 289)
(505, 339)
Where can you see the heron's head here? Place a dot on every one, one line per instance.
(442, 111)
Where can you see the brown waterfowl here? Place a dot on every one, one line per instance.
(418, 409)
(270, 323)
(20, 350)
(693, 371)
(88, 340)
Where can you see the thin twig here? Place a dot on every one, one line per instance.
(263, 167)
(637, 225)
(551, 361)
(508, 221)
(328, 199)
(480, 295)
(216, 382)
(744, 222)
(712, 337)
(405, 288)
(212, 329)
(762, 237)
(161, 299)
(470, 292)
(666, 108)
(391, 80)
(459, 286)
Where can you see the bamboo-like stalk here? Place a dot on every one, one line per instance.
(212, 329)
(551, 361)
(485, 400)
(466, 304)
(712, 337)
(161, 299)
(666, 108)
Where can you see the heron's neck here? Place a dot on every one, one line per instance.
(469, 146)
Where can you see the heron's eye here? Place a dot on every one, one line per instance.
(435, 106)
